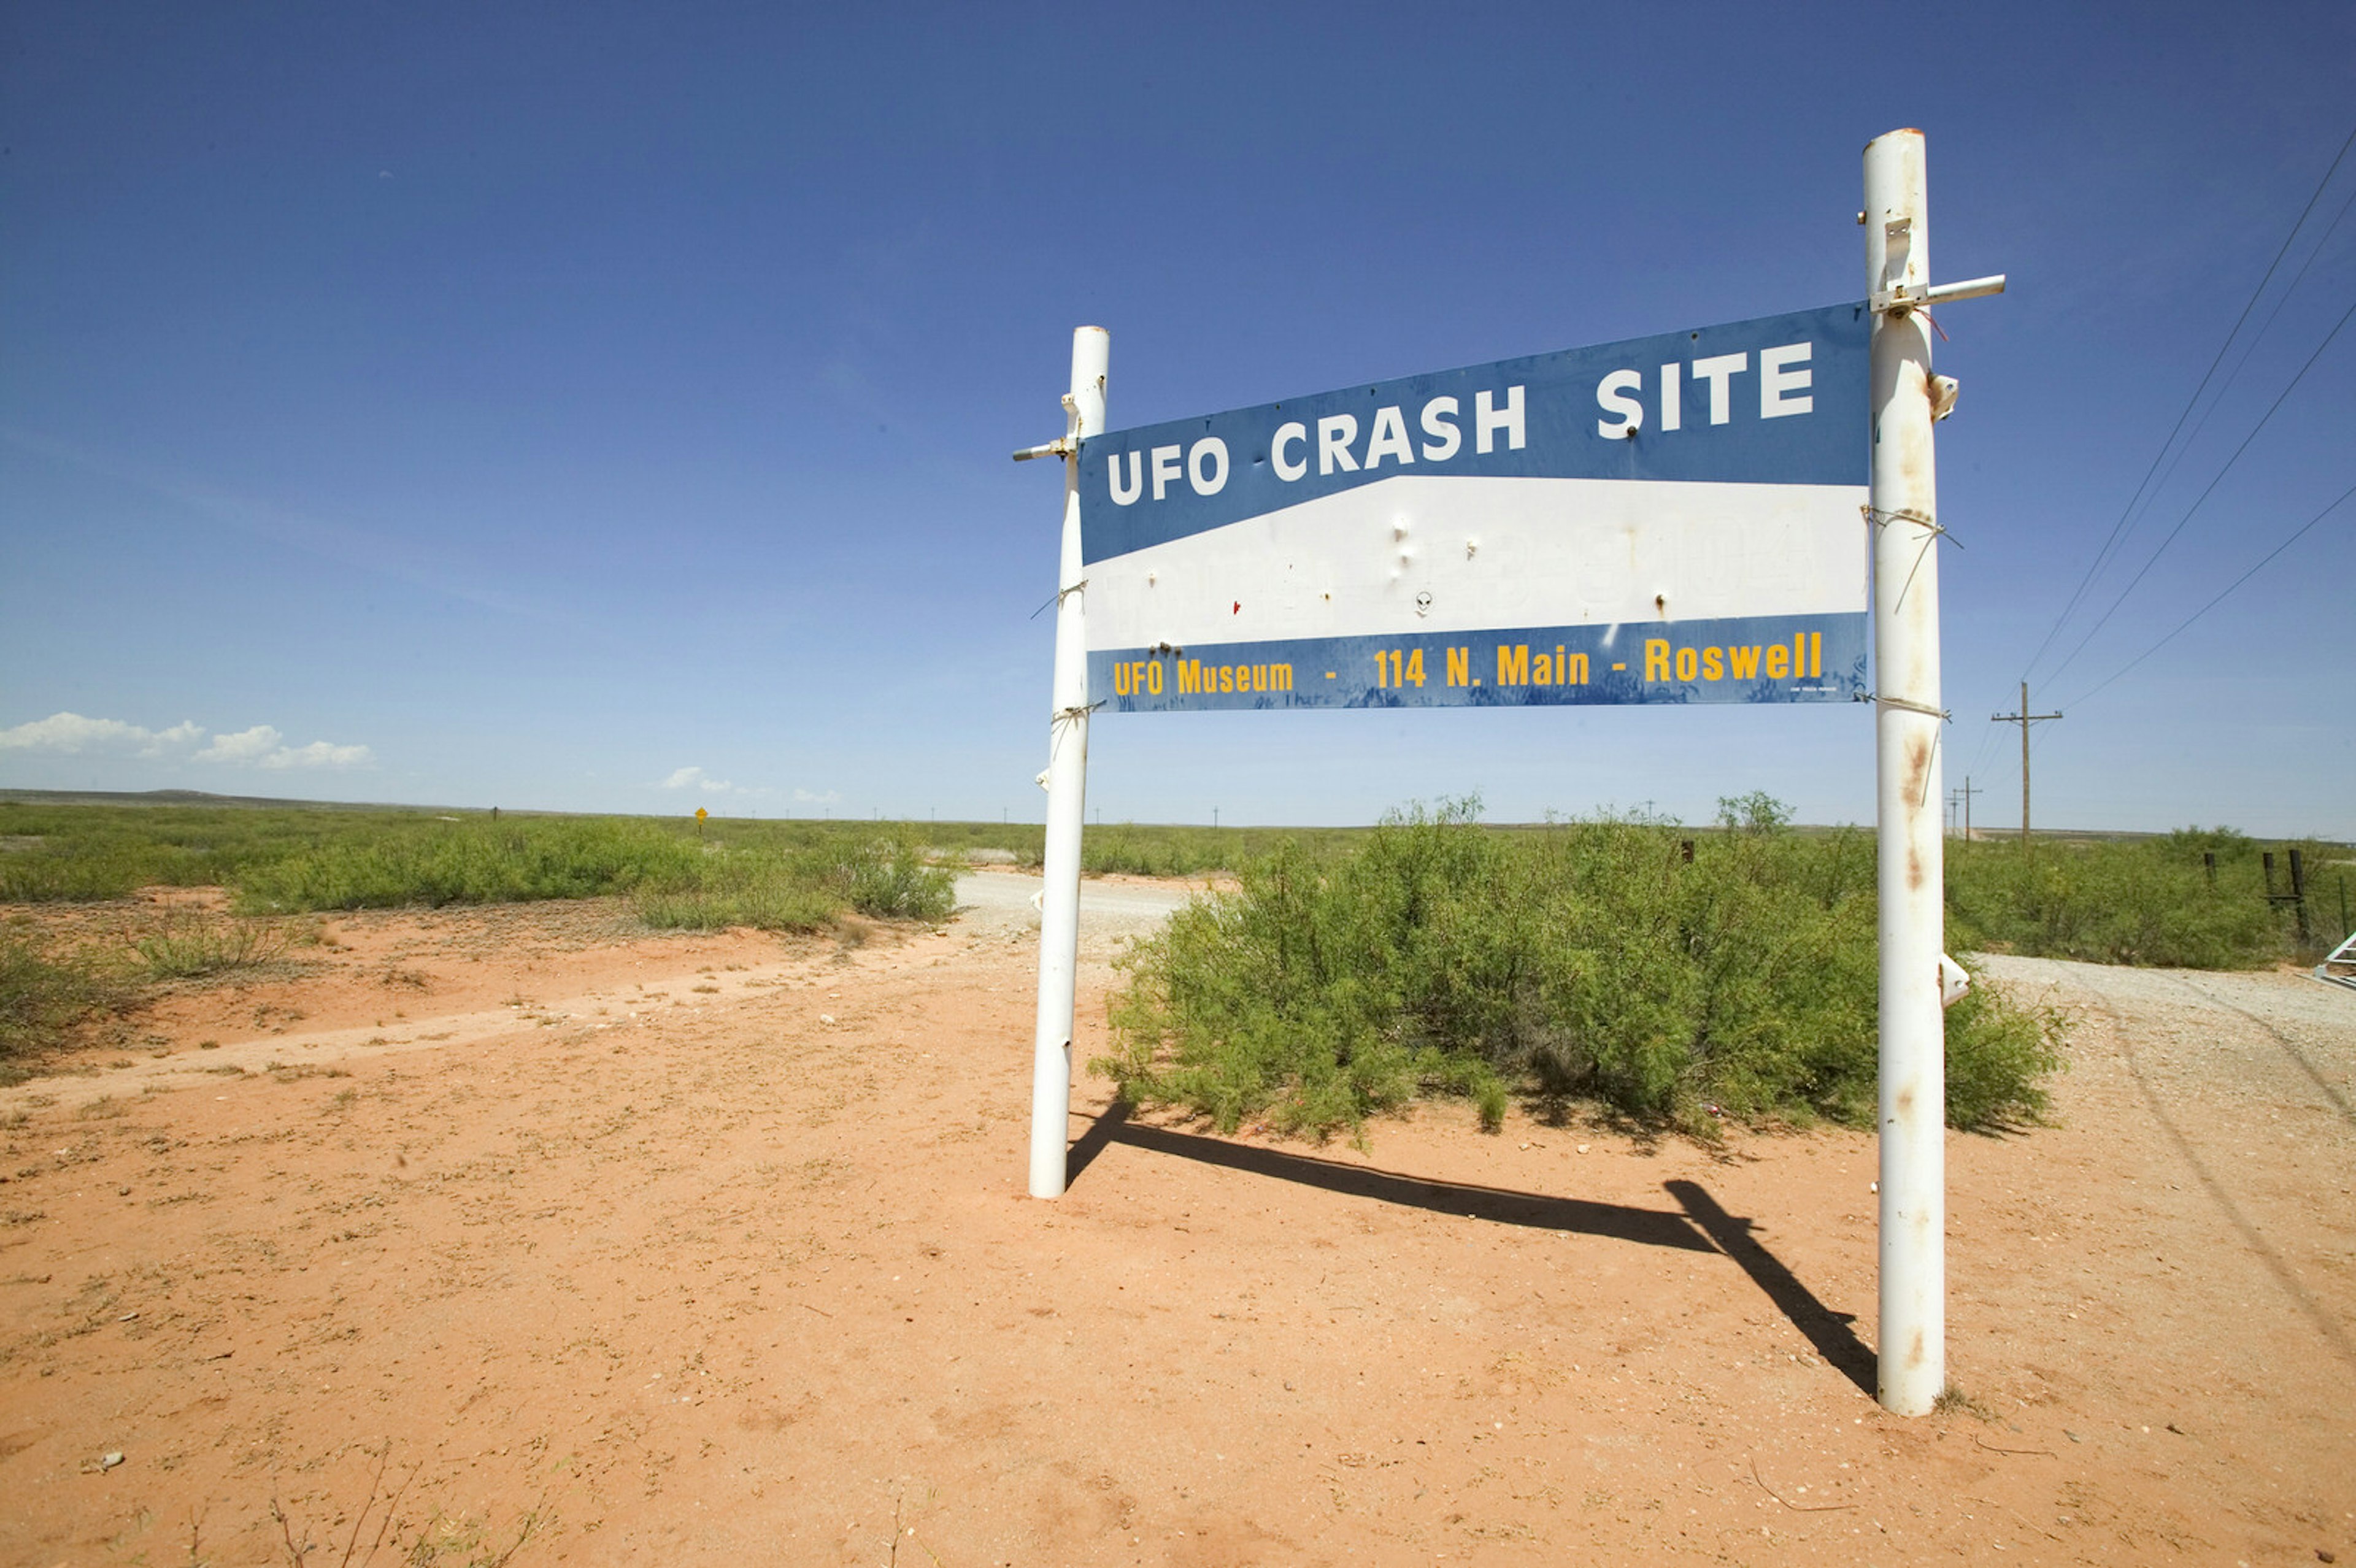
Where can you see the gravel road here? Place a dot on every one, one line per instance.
(996, 906)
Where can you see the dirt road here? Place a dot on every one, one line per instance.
(714, 1249)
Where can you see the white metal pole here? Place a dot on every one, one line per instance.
(1068, 784)
(1912, 871)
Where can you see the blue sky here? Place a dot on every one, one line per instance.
(608, 409)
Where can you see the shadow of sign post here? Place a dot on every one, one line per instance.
(1699, 1223)
(1826, 1329)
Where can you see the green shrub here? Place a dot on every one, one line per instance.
(772, 902)
(79, 853)
(2139, 902)
(282, 859)
(1999, 1055)
(185, 946)
(472, 861)
(805, 888)
(1587, 959)
(891, 877)
(43, 995)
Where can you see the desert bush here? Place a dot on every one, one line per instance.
(1589, 959)
(186, 946)
(1128, 849)
(80, 853)
(2000, 1053)
(779, 875)
(44, 994)
(474, 860)
(763, 903)
(1148, 849)
(2139, 902)
(891, 877)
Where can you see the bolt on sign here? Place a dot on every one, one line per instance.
(1669, 519)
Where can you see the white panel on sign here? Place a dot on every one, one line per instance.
(1415, 556)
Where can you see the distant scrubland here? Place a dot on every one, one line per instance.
(1674, 973)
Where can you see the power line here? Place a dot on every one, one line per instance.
(2298, 534)
(2147, 489)
(2251, 347)
(2103, 554)
(2204, 494)
(1981, 752)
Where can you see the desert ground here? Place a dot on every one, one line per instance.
(521, 1235)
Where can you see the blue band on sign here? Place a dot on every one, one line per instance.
(1767, 659)
(1776, 400)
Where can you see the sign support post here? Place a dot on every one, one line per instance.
(1903, 514)
(1067, 783)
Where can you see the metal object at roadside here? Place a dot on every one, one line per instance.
(2340, 968)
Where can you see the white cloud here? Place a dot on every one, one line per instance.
(320, 755)
(245, 746)
(696, 778)
(263, 747)
(72, 735)
(805, 797)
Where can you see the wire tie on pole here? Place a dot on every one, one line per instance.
(1061, 723)
(1877, 517)
(1056, 599)
(1923, 550)
(1938, 713)
(1932, 531)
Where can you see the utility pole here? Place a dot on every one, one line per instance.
(2024, 718)
(1968, 792)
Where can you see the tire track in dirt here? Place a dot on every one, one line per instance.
(316, 1050)
(2328, 1090)
(2286, 1278)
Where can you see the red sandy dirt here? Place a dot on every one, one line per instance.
(714, 1249)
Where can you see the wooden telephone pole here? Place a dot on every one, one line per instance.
(2024, 718)
(1965, 795)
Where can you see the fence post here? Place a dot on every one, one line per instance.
(1068, 784)
(2298, 894)
(1913, 1348)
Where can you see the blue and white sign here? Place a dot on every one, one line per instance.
(1670, 519)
